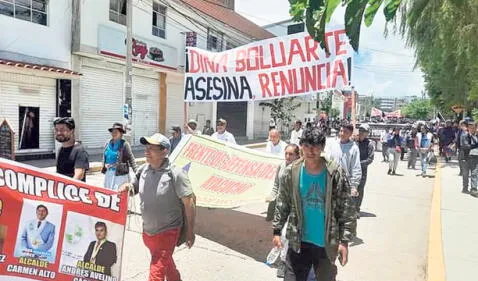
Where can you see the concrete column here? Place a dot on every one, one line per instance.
(214, 115)
(76, 96)
(163, 97)
(250, 120)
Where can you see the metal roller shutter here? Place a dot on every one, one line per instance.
(101, 100)
(145, 107)
(175, 106)
(30, 91)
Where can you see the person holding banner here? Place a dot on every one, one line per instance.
(221, 133)
(72, 160)
(314, 193)
(39, 234)
(167, 207)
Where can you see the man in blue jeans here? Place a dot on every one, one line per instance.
(424, 144)
(314, 198)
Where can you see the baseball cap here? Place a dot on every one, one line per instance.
(192, 121)
(364, 127)
(175, 129)
(156, 139)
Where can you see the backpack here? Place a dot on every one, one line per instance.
(172, 174)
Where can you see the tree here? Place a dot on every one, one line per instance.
(282, 110)
(334, 113)
(420, 109)
(443, 33)
(326, 102)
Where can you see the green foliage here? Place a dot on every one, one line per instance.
(419, 109)
(326, 102)
(334, 112)
(281, 109)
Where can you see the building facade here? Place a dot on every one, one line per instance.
(35, 71)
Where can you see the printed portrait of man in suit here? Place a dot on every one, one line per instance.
(39, 234)
(101, 252)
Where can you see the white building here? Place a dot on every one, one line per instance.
(35, 70)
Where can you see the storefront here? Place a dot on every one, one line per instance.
(31, 97)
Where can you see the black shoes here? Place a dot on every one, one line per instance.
(393, 173)
(465, 191)
(389, 172)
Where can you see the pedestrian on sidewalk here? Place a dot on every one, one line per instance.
(395, 149)
(292, 153)
(350, 159)
(314, 193)
(424, 139)
(366, 149)
(176, 136)
(222, 134)
(469, 144)
(296, 133)
(72, 158)
(167, 207)
(412, 144)
(275, 145)
(384, 141)
(117, 159)
(208, 130)
(461, 158)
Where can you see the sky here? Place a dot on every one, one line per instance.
(383, 67)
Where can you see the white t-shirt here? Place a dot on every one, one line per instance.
(278, 149)
(226, 137)
(295, 136)
(333, 150)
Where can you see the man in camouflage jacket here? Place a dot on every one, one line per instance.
(336, 217)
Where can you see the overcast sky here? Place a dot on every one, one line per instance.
(383, 67)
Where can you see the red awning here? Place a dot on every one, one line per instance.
(33, 66)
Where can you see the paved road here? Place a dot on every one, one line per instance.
(232, 244)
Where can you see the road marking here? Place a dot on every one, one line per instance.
(436, 264)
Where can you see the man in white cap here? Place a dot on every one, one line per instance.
(191, 128)
(366, 149)
(221, 133)
(167, 207)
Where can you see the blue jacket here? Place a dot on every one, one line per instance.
(47, 236)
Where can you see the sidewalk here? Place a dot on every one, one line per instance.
(459, 226)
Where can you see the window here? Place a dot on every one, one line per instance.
(295, 28)
(29, 10)
(118, 11)
(159, 20)
(214, 41)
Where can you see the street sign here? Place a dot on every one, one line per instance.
(7, 140)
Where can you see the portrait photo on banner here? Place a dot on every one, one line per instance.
(38, 230)
(92, 245)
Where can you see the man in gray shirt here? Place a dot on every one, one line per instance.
(167, 207)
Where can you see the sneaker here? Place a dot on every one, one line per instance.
(281, 270)
(474, 193)
(389, 171)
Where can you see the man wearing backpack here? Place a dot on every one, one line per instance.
(167, 207)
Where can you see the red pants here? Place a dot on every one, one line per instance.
(162, 247)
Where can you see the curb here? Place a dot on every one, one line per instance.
(436, 264)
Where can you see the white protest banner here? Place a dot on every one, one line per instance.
(280, 67)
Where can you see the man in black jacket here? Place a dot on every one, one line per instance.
(101, 252)
(367, 149)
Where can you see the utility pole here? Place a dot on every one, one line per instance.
(354, 105)
(128, 75)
